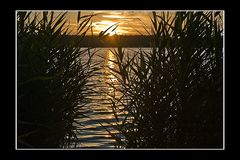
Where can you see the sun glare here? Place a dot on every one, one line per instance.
(105, 24)
(112, 33)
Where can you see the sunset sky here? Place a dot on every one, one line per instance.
(129, 22)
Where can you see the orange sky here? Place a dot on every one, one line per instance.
(129, 22)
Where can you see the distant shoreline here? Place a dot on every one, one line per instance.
(113, 41)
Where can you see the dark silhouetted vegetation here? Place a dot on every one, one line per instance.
(51, 79)
(174, 93)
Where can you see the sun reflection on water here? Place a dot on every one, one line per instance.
(101, 109)
(110, 58)
(111, 78)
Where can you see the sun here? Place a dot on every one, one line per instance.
(112, 33)
(103, 25)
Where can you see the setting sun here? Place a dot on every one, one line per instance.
(112, 33)
(128, 22)
(104, 25)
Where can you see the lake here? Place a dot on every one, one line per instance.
(98, 112)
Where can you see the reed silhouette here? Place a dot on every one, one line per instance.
(174, 93)
(51, 79)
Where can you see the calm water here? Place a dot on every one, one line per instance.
(99, 111)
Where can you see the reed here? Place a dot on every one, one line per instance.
(52, 79)
(173, 94)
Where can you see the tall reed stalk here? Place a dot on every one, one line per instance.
(51, 78)
(173, 93)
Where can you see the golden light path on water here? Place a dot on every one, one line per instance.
(111, 78)
(99, 113)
